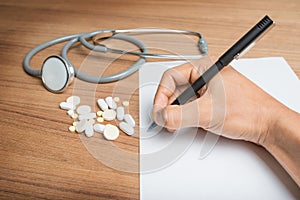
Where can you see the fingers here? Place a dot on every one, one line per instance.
(173, 78)
(193, 114)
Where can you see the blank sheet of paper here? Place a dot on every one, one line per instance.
(169, 163)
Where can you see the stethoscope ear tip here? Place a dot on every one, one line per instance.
(57, 74)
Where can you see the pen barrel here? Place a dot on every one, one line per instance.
(246, 40)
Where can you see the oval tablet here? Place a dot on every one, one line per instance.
(99, 128)
(81, 126)
(120, 113)
(126, 128)
(129, 119)
(111, 103)
(89, 131)
(109, 115)
(67, 106)
(111, 132)
(102, 104)
(84, 109)
(75, 100)
(87, 116)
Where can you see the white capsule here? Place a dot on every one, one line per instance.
(111, 132)
(120, 113)
(89, 130)
(129, 119)
(75, 100)
(109, 115)
(111, 103)
(81, 126)
(67, 106)
(99, 128)
(102, 104)
(84, 109)
(126, 128)
(87, 116)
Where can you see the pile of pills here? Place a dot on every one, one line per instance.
(88, 122)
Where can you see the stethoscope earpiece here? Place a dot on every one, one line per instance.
(57, 74)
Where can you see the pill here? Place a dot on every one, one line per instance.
(100, 119)
(99, 113)
(129, 119)
(120, 113)
(87, 116)
(102, 104)
(67, 106)
(109, 115)
(84, 109)
(75, 123)
(75, 100)
(81, 126)
(111, 103)
(125, 103)
(111, 132)
(99, 128)
(116, 99)
(74, 116)
(126, 128)
(72, 128)
(70, 112)
(89, 131)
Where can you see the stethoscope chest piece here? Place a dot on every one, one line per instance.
(56, 73)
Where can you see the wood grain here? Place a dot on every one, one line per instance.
(40, 159)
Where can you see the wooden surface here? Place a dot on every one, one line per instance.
(39, 158)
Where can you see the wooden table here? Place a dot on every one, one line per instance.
(40, 158)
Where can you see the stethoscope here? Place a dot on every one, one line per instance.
(57, 72)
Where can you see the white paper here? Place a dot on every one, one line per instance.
(233, 169)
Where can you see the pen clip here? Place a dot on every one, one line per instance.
(242, 53)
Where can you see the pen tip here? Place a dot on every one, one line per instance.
(153, 125)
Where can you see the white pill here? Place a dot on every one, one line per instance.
(120, 113)
(81, 126)
(126, 128)
(71, 113)
(102, 104)
(109, 115)
(99, 128)
(100, 119)
(116, 99)
(129, 119)
(84, 109)
(87, 116)
(89, 131)
(111, 132)
(111, 103)
(75, 100)
(125, 103)
(72, 128)
(67, 106)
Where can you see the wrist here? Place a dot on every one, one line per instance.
(280, 124)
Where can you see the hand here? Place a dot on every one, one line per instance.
(231, 105)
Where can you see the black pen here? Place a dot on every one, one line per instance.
(236, 51)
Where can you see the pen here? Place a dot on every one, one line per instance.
(237, 50)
